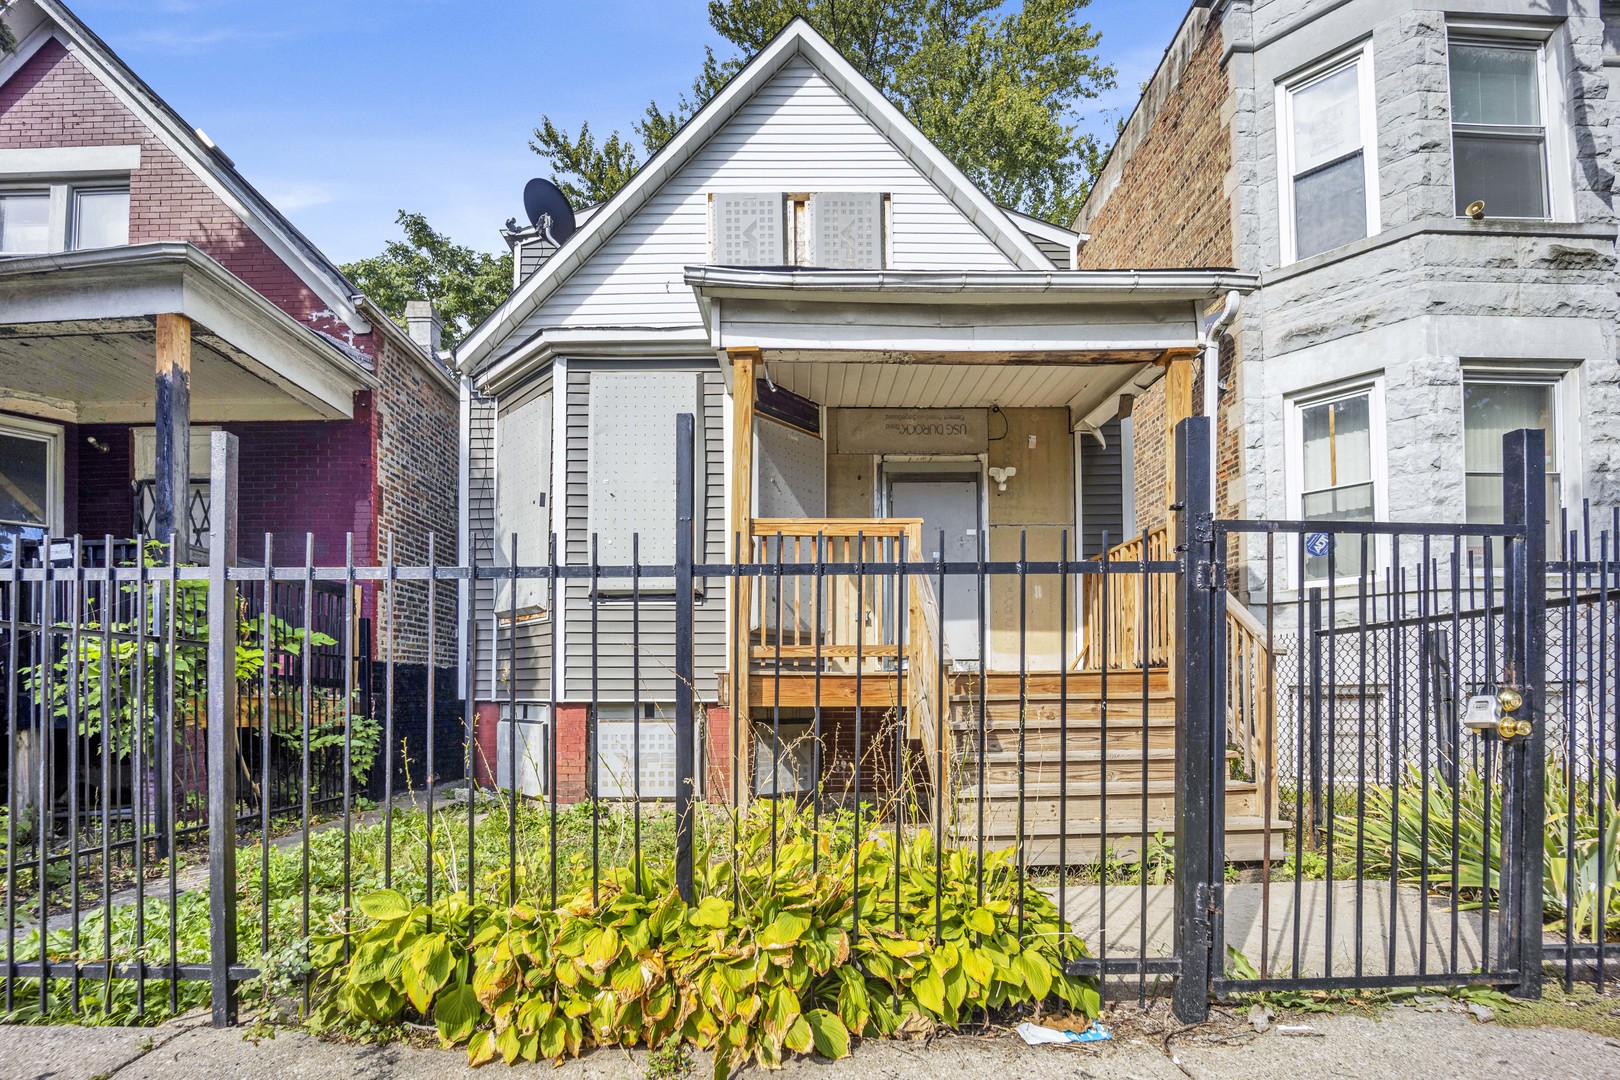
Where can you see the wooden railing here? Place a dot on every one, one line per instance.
(840, 621)
(1114, 636)
(1249, 706)
(1116, 632)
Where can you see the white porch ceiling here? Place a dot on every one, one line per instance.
(104, 372)
(845, 384)
(77, 340)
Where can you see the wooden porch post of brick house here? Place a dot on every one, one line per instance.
(171, 519)
(743, 362)
(1178, 406)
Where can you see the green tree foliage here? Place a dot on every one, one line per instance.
(465, 284)
(996, 90)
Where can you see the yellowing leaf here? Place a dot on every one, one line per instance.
(830, 1035)
(712, 913)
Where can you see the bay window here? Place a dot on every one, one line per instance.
(1498, 131)
(1335, 472)
(1329, 180)
(1496, 402)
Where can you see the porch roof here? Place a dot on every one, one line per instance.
(77, 340)
(970, 317)
(901, 338)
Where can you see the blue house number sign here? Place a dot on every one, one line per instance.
(1317, 544)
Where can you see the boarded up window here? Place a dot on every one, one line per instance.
(748, 229)
(846, 230)
(632, 465)
(522, 478)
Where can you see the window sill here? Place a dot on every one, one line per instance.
(1597, 232)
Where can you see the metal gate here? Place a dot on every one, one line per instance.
(1400, 727)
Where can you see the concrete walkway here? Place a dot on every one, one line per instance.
(1263, 918)
(1403, 1043)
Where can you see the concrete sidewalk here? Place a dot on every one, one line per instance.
(1398, 931)
(1402, 1043)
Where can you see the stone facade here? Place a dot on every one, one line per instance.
(1427, 292)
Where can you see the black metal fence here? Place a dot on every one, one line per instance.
(1065, 735)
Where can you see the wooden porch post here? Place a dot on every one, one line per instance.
(172, 517)
(1178, 405)
(742, 524)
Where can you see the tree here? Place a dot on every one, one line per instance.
(465, 284)
(996, 92)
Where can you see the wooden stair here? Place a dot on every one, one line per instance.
(1118, 789)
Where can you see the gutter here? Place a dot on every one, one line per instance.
(1212, 379)
(1166, 283)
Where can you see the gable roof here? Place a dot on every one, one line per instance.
(54, 19)
(797, 39)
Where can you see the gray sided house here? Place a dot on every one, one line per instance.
(877, 357)
(1425, 194)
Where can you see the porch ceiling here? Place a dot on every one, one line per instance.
(77, 341)
(854, 383)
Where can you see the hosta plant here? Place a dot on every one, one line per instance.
(768, 963)
(1581, 841)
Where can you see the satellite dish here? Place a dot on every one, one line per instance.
(548, 210)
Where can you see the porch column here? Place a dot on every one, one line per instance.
(1178, 405)
(742, 524)
(172, 498)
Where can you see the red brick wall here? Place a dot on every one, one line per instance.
(1170, 208)
(418, 444)
(392, 468)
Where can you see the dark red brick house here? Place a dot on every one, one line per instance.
(148, 295)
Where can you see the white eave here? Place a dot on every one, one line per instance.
(139, 281)
(1117, 313)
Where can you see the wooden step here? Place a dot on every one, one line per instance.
(1246, 841)
(1047, 684)
(1001, 763)
(1078, 710)
(1124, 739)
(1084, 803)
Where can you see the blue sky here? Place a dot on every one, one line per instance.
(345, 111)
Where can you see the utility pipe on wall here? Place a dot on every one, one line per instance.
(1212, 384)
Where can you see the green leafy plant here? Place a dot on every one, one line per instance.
(1411, 830)
(92, 681)
(767, 964)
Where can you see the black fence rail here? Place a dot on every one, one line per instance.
(1056, 738)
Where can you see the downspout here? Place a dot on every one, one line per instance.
(1212, 384)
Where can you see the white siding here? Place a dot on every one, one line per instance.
(797, 133)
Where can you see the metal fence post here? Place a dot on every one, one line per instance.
(1524, 504)
(222, 749)
(1197, 751)
(685, 741)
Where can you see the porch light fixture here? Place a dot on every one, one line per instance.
(1001, 476)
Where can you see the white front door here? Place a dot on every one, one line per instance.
(948, 503)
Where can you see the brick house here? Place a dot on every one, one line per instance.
(149, 294)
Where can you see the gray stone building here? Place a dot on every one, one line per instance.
(1425, 192)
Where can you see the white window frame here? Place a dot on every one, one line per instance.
(1559, 192)
(1564, 378)
(52, 435)
(1362, 56)
(63, 200)
(1294, 463)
